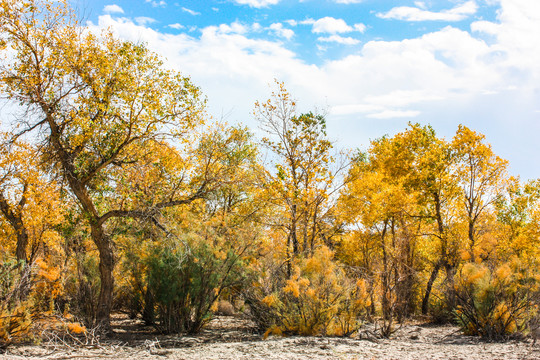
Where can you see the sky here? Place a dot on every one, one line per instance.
(372, 66)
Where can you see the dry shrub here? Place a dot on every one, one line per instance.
(225, 308)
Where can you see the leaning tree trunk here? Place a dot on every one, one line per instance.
(432, 278)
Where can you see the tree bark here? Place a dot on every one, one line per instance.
(294, 237)
(15, 220)
(106, 267)
(444, 255)
(432, 278)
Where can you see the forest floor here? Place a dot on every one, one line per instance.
(229, 337)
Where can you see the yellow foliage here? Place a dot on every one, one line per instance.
(503, 272)
(76, 328)
(273, 330)
(318, 299)
(494, 302)
(14, 323)
(292, 287)
(269, 300)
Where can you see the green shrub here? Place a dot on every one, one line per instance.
(185, 284)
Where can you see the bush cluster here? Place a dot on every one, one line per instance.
(317, 299)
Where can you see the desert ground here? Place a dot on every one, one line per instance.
(229, 337)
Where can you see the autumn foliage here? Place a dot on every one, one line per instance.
(119, 193)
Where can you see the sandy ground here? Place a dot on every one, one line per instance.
(233, 338)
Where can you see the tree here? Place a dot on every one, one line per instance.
(518, 215)
(378, 205)
(304, 179)
(29, 201)
(482, 177)
(425, 166)
(97, 101)
(204, 252)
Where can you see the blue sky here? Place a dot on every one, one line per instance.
(372, 65)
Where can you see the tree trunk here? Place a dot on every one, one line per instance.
(432, 278)
(14, 217)
(22, 243)
(472, 240)
(294, 236)
(148, 311)
(106, 267)
(450, 273)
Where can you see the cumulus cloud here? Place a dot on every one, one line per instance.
(360, 27)
(113, 9)
(392, 114)
(348, 1)
(419, 13)
(257, 3)
(330, 25)
(234, 28)
(385, 77)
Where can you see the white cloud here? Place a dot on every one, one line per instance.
(419, 13)
(348, 1)
(144, 20)
(339, 39)
(292, 22)
(257, 3)
(157, 3)
(330, 25)
(420, 4)
(360, 27)
(113, 9)
(234, 28)
(191, 12)
(281, 31)
(393, 114)
(176, 26)
(308, 21)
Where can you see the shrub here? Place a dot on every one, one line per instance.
(318, 298)
(225, 308)
(186, 282)
(494, 303)
(82, 286)
(15, 308)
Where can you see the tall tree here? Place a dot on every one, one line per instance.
(303, 179)
(98, 101)
(482, 177)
